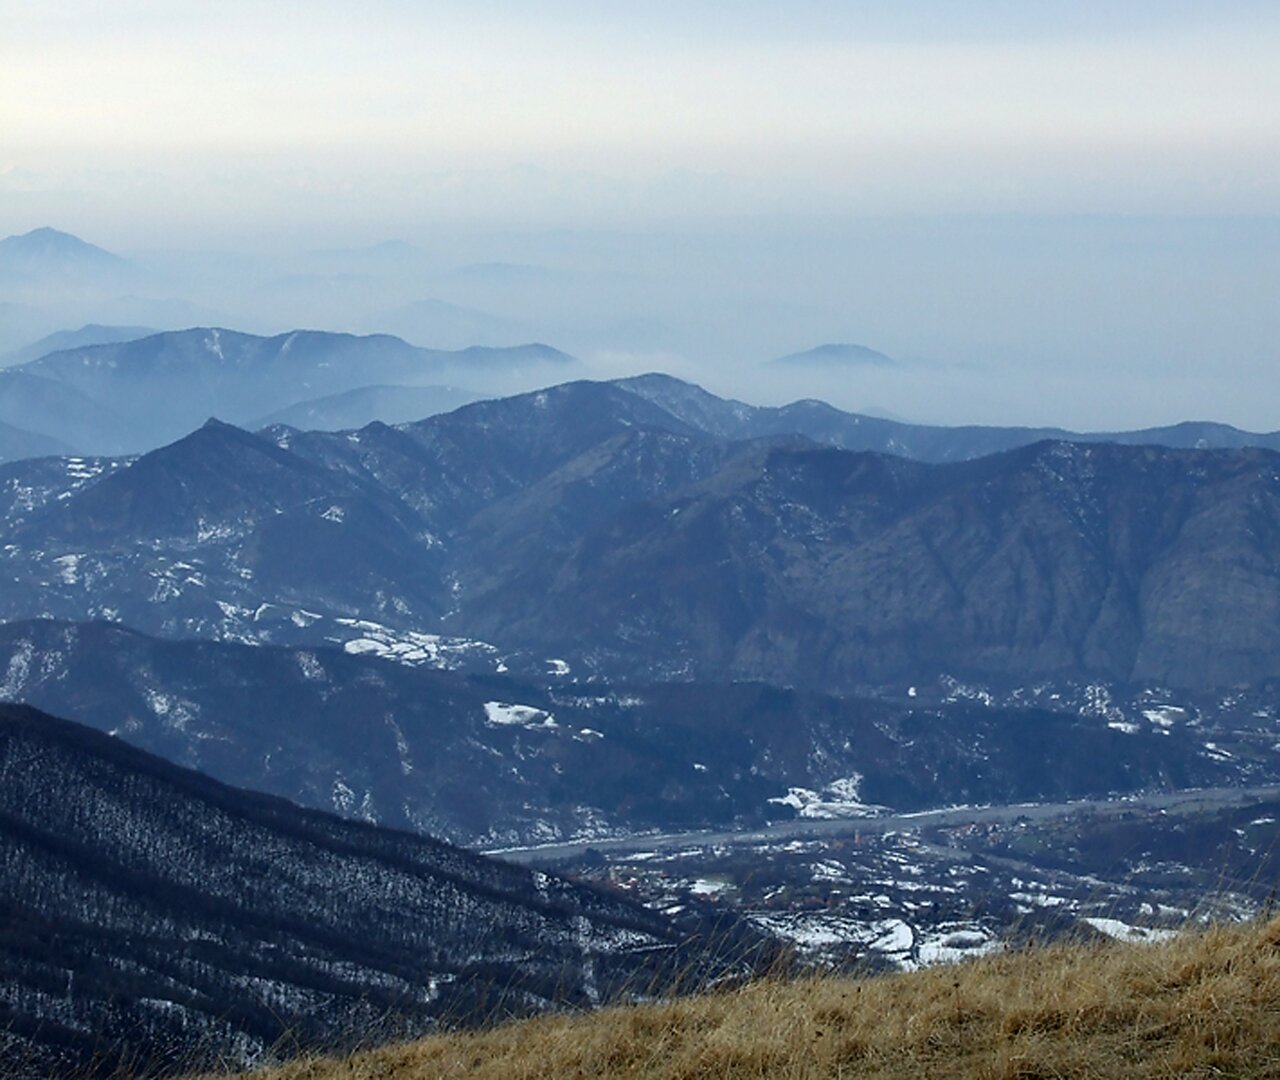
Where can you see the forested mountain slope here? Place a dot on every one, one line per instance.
(153, 914)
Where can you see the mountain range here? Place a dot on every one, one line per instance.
(135, 395)
(593, 610)
(592, 524)
(821, 567)
(830, 426)
(109, 391)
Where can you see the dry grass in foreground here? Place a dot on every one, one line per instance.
(1205, 1004)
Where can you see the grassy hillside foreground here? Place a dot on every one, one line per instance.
(1204, 1004)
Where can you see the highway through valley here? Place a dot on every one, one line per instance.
(816, 828)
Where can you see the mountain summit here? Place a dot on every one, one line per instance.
(837, 355)
(50, 249)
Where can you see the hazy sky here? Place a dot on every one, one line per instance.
(570, 112)
(1052, 212)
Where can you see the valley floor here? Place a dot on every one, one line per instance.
(1206, 1003)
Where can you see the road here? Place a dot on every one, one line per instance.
(803, 829)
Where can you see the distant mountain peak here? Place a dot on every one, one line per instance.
(46, 234)
(838, 354)
(47, 243)
(534, 351)
(658, 380)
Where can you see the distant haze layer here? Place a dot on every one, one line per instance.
(1045, 213)
(582, 113)
(1090, 323)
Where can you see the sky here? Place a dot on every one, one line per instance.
(622, 112)
(478, 127)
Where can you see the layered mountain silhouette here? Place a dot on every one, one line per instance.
(51, 280)
(134, 395)
(592, 523)
(61, 340)
(358, 408)
(659, 610)
(46, 405)
(442, 325)
(154, 389)
(826, 424)
(154, 915)
(16, 444)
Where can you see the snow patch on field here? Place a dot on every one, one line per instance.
(895, 936)
(808, 931)
(501, 714)
(1165, 716)
(839, 799)
(950, 946)
(1121, 931)
(310, 666)
(891, 939)
(15, 679)
(171, 710)
(68, 568)
(1039, 899)
(707, 887)
(409, 647)
(79, 469)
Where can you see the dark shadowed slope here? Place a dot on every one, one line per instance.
(821, 566)
(153, 914)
